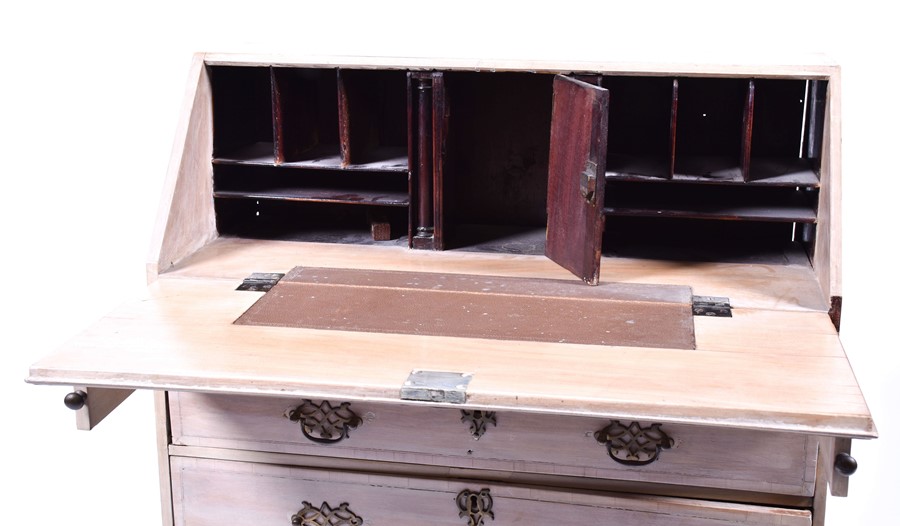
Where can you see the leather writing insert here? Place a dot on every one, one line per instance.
(430, 304)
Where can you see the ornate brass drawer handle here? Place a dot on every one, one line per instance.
(323, 423)
(632, 444)
(325, 515)
(474, 506)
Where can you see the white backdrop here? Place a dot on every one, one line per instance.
(90, 96)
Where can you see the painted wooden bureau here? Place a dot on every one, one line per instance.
(463, 292)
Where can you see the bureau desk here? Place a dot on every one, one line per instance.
(408, 291)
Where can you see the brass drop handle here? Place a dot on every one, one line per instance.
(633, 444)
(310, 515)
(323, 423)
(75, 400)
(845, 464)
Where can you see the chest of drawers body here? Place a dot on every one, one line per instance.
(438, 174)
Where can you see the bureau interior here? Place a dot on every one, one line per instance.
(722, 169)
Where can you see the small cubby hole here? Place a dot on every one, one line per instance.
(702, 240)
(242, 112)
(496, 163)
(710, 127)
(787, 117)
(640, 126)
(373, 109)
(305, 105)
(308, 221)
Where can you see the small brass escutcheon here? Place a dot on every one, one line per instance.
(478, 421)
(474, 506)
(589, 181)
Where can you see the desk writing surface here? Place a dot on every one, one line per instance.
(763, 368)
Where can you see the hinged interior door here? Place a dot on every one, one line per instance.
(578, 137)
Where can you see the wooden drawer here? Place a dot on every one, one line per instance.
(217, 492)
(778, 463)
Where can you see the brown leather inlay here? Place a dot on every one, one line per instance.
(491, 307)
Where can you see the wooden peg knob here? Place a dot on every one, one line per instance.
(845, 464)
(75, 400)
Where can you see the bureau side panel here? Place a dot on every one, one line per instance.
(163, 439)
(186, 218)
(827, 253)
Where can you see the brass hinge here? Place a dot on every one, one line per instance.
(260, 281)
(711, 306)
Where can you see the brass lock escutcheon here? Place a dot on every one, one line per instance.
(474, 506)
(633, 444)
(478, 421)
(323, 423)
(589, 181)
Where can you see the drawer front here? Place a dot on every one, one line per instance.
(218, 493)
(746, 460)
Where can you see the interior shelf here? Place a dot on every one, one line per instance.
(256, 154)
(385, 159)
(382, 159)
(315, 221)
(730, 203)
(321, 195)
(790, 173)
(326, 186)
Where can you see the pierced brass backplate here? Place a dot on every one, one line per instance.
(325, 515)
(632, 444)
(323, 423)
(474, 506)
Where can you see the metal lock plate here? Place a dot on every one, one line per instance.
(436, 386)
